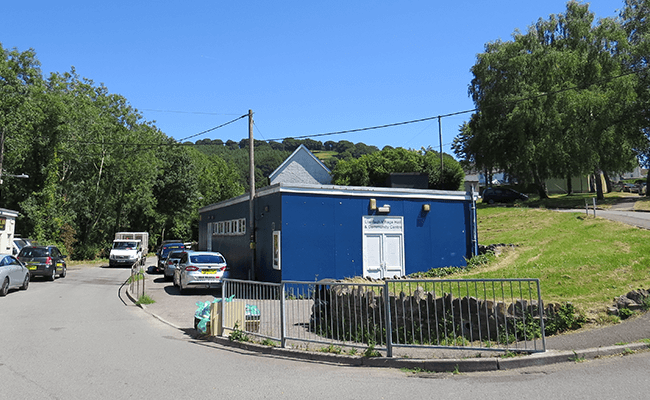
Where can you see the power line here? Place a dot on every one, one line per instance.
(215, 128)
(414, 121)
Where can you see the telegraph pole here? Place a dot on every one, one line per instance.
(2, 151)
(251, 206)
(440, 134)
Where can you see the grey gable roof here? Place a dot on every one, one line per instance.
(302, 166)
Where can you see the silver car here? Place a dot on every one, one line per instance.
(200, 269)
(171, 262)
(13, 274)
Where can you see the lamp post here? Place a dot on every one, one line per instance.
(23, 176)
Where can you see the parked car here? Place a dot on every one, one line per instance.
(163, 252)
(44, 261)
(630, 188)
(502, 195)
(13, 274)
(200, 269)
(19, 243)
(170, 264)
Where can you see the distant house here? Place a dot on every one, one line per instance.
(301, 167)
(637, 173)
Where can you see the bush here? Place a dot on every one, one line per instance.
(85, 252)
(566, 318)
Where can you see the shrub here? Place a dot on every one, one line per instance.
(566, 318)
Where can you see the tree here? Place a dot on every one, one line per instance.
(374, 169)
(448, 176)
(551, 102)
(634, 17)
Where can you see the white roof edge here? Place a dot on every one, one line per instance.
(354, 191)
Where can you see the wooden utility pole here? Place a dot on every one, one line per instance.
(251, 207)
(440, 134)
(2, 151)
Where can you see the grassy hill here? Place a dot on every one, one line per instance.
(584, 260)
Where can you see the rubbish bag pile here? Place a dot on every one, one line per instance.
(202, 313)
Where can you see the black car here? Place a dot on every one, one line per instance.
(163, 252)
(44, 261)
(502, 195)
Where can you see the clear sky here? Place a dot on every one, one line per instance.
(303, 67)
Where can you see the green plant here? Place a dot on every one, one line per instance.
(625, 313)
(576, 357)
(508, 354)
(620, 343)
(627, 351)
(645, 304)
(135, 278)
(269, 342)
(145, 299)
(331, 349)
(566, 318)
(456, 370)
(238, 335)
(481, 260)
(371, 352)
(528, 327)
(352, 351)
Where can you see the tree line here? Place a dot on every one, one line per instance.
(95, 166)
(568, 97)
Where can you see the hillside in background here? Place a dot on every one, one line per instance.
(269, 155)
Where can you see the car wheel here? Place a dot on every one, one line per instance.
(181, 289)
(491, 201)
(5, 287)
(64, 272)
(25, 283)
(53, 275)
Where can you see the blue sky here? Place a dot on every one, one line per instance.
(303, 67)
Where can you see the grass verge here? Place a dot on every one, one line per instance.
(578, 259)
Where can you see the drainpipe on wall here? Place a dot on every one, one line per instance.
(251, 207)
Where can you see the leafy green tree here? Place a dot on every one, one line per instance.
(448, 176)
(22, 96)
(374, 169)
(551, 101)
(634, 17)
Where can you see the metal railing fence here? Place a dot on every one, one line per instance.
(136, 282)
(469, 314)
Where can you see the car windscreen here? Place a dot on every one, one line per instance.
(176, 254)
(125, 245)
(207, 259)
(33, 252)
(169, 247)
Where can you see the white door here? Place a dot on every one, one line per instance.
(373, 256)
(383, 247)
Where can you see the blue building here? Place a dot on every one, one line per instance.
(313, 232)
